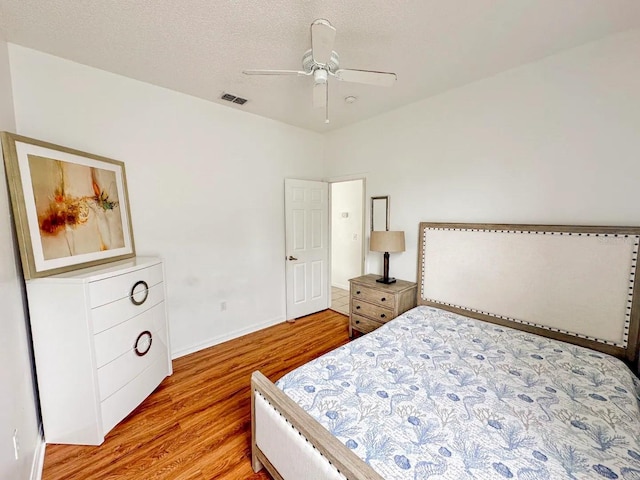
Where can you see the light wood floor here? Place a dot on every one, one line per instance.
(197, 425)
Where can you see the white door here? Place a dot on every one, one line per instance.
(306, 206)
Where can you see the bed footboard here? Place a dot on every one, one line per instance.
(337, 455)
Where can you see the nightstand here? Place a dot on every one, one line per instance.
(372, 304)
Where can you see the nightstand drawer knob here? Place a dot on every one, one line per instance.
(357, 322)
(357, 307)
(383, 299)
(382, 315)
(358, 292)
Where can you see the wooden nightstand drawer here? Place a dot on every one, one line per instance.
(372, 311)
(373, 296)
(373, 304)
(363, 324)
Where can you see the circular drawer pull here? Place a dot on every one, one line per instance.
(358, 292)
(383, 299)
(144, 340)
(357, 307)
(357, 322)
(132, 295)
(382, 315)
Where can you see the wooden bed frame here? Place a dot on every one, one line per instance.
(523, 238)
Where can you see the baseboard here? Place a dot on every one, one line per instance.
(343, 287)
(227, 336)
(38, 458)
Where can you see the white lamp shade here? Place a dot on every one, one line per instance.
(386, 241)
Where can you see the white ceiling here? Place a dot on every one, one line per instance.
(200, 47)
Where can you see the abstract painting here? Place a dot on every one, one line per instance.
(70, 207)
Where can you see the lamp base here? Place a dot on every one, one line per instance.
(386, 281)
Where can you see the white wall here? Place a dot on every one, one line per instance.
(554, 141)
(346, 232)
(206, 185)
(17, 402)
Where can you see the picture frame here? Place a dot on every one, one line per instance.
(70, 208)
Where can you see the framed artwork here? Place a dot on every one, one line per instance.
(71, 208)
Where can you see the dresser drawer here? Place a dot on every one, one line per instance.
(111, 314)
(125, 400)
(115, 341)
(111, 289)
(117, 373)
(363, 324)
(370, 310)
(374, 296)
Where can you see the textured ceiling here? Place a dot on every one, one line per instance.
(200, 47)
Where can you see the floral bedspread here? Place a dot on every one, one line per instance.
(433, 394)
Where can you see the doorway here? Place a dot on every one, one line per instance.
(347, 229)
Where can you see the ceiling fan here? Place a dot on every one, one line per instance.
(321, 62)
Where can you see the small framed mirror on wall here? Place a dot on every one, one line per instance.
(380, 213)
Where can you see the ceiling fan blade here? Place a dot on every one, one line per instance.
(323, 36)
(380, 79)
(319, 95)
(274, 72)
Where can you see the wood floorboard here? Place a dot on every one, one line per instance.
(197, 424)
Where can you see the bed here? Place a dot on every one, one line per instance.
(512, 366)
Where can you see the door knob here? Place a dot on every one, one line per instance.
(292, 258)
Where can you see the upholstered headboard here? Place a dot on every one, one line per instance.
(572, 283)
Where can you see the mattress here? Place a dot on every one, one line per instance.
(433, 394)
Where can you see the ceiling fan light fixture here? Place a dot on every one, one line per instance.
(320, 76)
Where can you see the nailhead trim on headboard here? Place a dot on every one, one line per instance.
(632, 276)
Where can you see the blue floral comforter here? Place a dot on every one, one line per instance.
(433, 394)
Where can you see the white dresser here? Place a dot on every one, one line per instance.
(101, 345)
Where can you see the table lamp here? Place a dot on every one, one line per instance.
(386, 241)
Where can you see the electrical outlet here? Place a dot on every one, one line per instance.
(355, 236)
(16, 444)
(223, 306)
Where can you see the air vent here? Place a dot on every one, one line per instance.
(233, 99)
